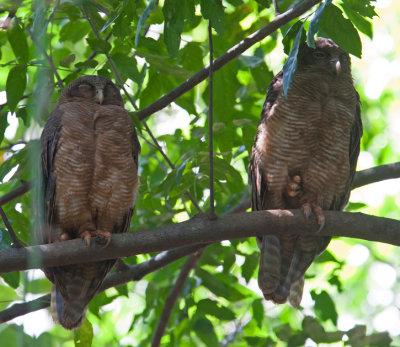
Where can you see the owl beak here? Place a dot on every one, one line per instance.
(99, 97)
(336, 67)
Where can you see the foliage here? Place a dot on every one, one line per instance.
(156, 46)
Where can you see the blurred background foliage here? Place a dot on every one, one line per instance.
(351, 295)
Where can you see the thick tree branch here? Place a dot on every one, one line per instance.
(201, 230)
(231, 54)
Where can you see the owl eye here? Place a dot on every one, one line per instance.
(319, 54)
(85, 90)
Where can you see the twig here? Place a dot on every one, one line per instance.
(16, 242)
(276, 7)
(173, 296)
(48, 58)
(11, 145)
(232, 53)
(17, 192)
(210, 123)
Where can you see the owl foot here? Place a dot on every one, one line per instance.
(308, 208)
(64, 236)
(293, 186)
(101, 237)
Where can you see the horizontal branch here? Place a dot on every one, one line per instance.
(375, 174)
(201, 230)
(231, 54)
(131, 273)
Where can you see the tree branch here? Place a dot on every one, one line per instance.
(173, 296)
(376, 174)
(231, 54)
(201, 230)
(16, 242)
(132, 273)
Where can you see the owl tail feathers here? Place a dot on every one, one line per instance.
(70, 315)
(270, 265)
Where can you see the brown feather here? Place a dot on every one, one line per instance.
(89, 173)
(313, 134)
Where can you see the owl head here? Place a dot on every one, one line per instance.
(327, 56)
(96, 89)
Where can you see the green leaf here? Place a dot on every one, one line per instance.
(18, 43)
(205, 331)
(174, 15)
(5, 239)
(249, 266)
(15, 85)
(74, 31)
(7, 295)
(67, 60)
(3, 124)
(214, 11)
(313, 329)
(360, 22)
(211, 307)
(99, 45)
(142, 20)
(12, 279)
(115, 15)
(341, 30)
(291, 64)
(127, 66)
(258, 311)
(83, 336)
(313, 28)
(324, 306)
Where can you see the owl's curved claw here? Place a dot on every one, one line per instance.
(307, 211)
(101, 237)
(307, 208)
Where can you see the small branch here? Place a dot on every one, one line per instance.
(132, 273)
(48, 58)
(17, 192)
(16, 242)
(231, 54)
(210, 123)
(376, 174)
(173, 296)
(276, 7)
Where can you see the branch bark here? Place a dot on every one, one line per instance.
(201, 230)
(231, 54)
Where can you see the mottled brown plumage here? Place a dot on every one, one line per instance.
(89, 162)
(304, 157)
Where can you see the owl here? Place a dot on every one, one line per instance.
(304, 157)
(89, 176)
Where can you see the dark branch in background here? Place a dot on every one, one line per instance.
(15, 241)
(232, 53)
(375, 174)
(131, 273)
(48, 58)
(194, 258)
(190, 263)
(276, 7)
(121, 82)
(210, 122)
(17, 192)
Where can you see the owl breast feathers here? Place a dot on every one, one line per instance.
(304, 157)
(89, 163)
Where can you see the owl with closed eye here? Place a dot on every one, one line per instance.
(304, 157)
(89, 179)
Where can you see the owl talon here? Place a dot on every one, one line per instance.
(102, 238)
(320, 216)
(307, 211)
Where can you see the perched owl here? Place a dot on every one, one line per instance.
(304, 157)
(89, 164)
